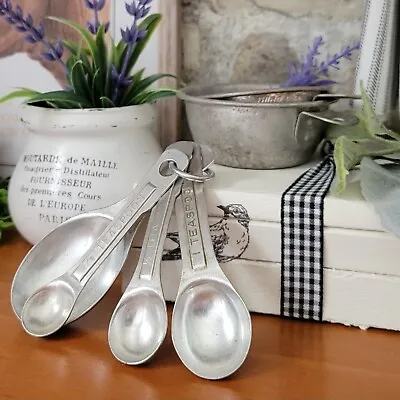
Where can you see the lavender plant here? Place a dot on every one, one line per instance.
(312, 72)
(99, 71)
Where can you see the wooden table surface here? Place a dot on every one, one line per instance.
(289, 360)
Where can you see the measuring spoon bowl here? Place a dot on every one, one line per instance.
(212, 328)
(139, 322)
(56, 297)
(139, 326)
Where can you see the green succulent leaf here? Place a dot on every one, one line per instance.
(75, 48)
(117, 53)
(139, 85)
(107, 102)
(136, 77)
(128, 93)
(152, 95)
(80, 56)
(79, 81)
(60, 96)
(19, 93)
(147, 82)
(102, 65)
(95, 84)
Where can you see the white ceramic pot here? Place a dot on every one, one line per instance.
(78, 160)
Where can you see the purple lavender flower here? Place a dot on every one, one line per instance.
(123, 81)
(15, 16)
(138, 9)
(131, 35)
(309, 72)
(96, 6)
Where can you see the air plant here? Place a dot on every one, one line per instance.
(312, 72)
(98, 70)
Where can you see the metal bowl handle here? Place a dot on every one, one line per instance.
(333, 117)
(335, 97)
(307, 133)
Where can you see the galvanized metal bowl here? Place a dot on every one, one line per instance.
(254, 127)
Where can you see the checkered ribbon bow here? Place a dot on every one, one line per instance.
(302, 245)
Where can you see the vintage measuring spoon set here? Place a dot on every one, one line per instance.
(71, 269)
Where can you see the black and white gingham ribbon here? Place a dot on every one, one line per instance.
(302, 245)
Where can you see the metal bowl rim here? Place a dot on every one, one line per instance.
(183, 95)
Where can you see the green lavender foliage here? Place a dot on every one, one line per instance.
(89, 72)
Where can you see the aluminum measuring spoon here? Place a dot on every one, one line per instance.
(139, 323)
(59, 251)
(211, 326)
(63, 247)
(49, 308)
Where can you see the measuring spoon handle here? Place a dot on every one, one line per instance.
(192, 219)
(146, 194)
(156, 233)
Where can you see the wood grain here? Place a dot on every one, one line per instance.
(288, 360)
(169, 62)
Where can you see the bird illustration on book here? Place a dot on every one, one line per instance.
(230, 239)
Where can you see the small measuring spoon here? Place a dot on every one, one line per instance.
(48, 309)
(211, 326)
(139, 323)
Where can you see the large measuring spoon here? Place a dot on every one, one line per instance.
(65, 245)
(211, 326)
(139, 323)
(49, 308)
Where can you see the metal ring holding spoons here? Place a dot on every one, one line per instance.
(207, 174)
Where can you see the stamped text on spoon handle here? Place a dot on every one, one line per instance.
(113, 230)
(156, 233)
(192, 225)
(145, 195)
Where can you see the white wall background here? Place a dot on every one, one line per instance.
(19, 70)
